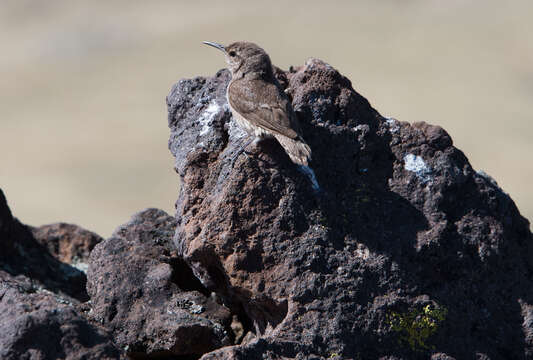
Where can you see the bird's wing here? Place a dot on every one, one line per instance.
(261, 103)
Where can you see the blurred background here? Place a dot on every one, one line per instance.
(83, 129)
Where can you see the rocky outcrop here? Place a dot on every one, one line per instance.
(390, 246)
(25, 252)
(144, 302)
(39, 324)
(40, 296)
(406, 252)
(147, 296)
(67, 242)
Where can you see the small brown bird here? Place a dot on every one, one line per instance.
(257, 101)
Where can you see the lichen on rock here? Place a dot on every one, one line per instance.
(401, 216)
(405, 251)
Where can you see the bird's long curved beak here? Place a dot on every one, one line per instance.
(214, 44)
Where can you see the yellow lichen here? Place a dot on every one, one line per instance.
(417, 325)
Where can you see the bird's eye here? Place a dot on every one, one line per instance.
(232, 53)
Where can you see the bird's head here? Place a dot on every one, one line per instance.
(245, 58)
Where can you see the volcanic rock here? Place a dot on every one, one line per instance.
(25, 254)
(389, 246)
(67, 242)
(148, 297)
(406, 252)
(39, 300)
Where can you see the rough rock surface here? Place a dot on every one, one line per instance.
(39, 307)
(23, 254)
(147, 296)
(407, 252)
(67, 242)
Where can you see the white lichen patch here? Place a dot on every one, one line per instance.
(486, 176)
(206, 118)
(416, 164)
(235, 131)
(393, 125)
(491, 180)
(81, 266)
(362, 252)
(196, 309)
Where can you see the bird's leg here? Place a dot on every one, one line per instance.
(242, 149)
(251, 139)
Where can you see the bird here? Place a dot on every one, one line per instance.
(257, 101)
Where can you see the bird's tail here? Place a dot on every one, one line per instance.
(297, 149)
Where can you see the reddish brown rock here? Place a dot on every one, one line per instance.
(23, 254)
(148, 297)
(39, 317)
(402, 235)
(38, 324)
(67, 242)
(402, 225)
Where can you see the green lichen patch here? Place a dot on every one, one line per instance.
(417, 325)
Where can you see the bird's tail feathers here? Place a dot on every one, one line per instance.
(297, 149)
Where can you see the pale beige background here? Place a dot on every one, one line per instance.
(83, 134)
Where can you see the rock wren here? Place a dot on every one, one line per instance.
(258, 103)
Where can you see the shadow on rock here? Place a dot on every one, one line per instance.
(403, 228)
(25, 251)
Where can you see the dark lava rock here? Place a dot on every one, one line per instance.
(407, 252)
(39, 317)
(148, 297)
(25, 254)
(67, 242)
(38, 324)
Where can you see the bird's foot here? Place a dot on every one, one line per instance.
(242, 148)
